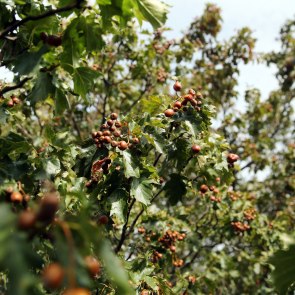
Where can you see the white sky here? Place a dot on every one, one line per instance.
(264, 17)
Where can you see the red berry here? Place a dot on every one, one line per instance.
(169, 113)
(135, 140)
(110, 122)
(10, 103)
(177, 86)
(231, 158)
(196, 148)
(103, 219)
(204, 188)
(106, 133)
(54, 40)
(188, 97)
(92, 265)
(16, 197)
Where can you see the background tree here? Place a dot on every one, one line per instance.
(114, 182)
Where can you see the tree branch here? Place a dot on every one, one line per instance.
(19, 23)
(13, 87)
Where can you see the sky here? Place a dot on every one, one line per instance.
(264, 17)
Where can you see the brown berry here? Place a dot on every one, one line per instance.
(15, 100)
(196, 148)
(48, 207)
(43, 36)
(188, 97)
(114, 116)
(92, 265)
(204, 188)
(106, 133)
(114, 143)
(123, 145)
(169, 113)
(112, 128)
(16, 197)
(107, 139)
(53, 276)
(110, 122)
(135, 140)
(26, 220)
(231, 158)
(118, 124)
(177, 86)
(192, 92)
(54, 40)
(117, 133)
(194, 103)
(212, 188)
(177, 105)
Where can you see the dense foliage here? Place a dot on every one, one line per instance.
(127, 165)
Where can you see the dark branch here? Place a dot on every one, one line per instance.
(13, 87)
(19, 23)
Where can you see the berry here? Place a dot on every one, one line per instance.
(231, 158)
(135, 140)
(26, 220)
(54, 40)
(103, 219)
(118, 124)
(15, 100)
(106, 133)
(196, 148)
(177, 86)
(192, 92)
(16, 197)
(108, 161)
(172, 248)
(194, 103)
(177, 104)
(169, 113)
(107, 139)
(204, 188)
(53, 276)
(98, 133)
(117, 133)
(188, 97)
(114, 143)
(9, 190)
(112, 128)
(76, 291)
(104, 126)
(92, 265)
(184, 102)
(48, 207)
(10, 103)
(110, 122)
(93, 135)
(212, 188)
(123, 145)
(114, 116)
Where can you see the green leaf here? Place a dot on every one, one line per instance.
(61, 102)
(103, 2)
(153, 11)
(83, 80)
(131, 169)
(141, 190)
(284, 272)
(42, 89)
(175, 188)
(118, 200)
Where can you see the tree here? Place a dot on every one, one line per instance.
(113, 179)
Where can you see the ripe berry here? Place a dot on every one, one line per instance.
(104, 126)
(16, 197)
(135, 140)
(194, 103)
(15, 100)
(231, 158)
(196, 148)
(112, 128)
(99, 134)
(117, 133)
(212, 188)
(114, 143)
(188, 97)
(92, 265)
(48, 207)
(76, 291)
(184, 102)
(118, 124)
(110, 122)
(106, 133)
(94, 134)
(114, 116)
(26, 220)
(199, 95)
(169, 113)
(107, 139)
(204, 188)
(177, 86)
(53, 276)
(103, 219)
(177, 105)
(123, 145)
(172, 248)
(54, 40)
(10, 103)
(108, 161)
(192, 92)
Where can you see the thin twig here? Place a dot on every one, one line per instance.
(38, 17)
(13, 87)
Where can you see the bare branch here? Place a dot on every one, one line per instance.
(13, 87)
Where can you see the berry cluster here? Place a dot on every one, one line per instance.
(250, 214)
(239, 226)
(52, 40)
(13, 101)
(213, 189)
(110, 131)
(192, 97)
